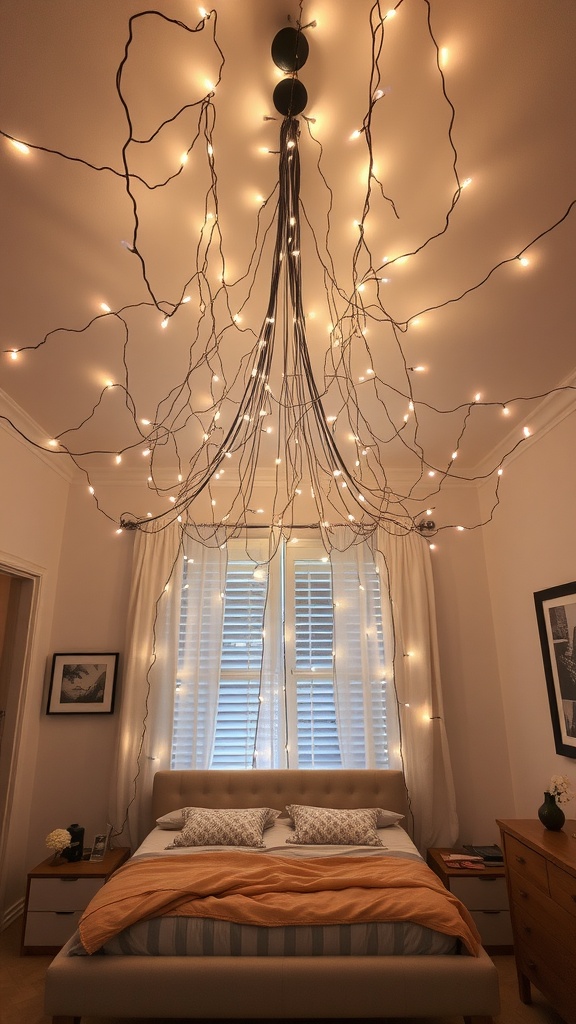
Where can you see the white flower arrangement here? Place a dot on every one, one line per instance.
(58, 840)
(561, 789)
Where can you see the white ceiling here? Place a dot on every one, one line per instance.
(510, 74)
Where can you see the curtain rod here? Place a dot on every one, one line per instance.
(261, 526)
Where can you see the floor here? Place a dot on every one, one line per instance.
(22, 992)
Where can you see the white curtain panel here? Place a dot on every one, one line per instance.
(199, 673)
(406, 562)
(366, 707)
(146, 704)
(271, 730)
(151, 665)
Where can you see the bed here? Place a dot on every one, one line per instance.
(256, 982)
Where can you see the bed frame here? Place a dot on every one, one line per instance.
(273, 987)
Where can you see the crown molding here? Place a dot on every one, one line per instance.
(15, 422)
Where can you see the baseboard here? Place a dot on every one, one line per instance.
(12, 913)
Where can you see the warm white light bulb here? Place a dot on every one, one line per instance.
(20, 146)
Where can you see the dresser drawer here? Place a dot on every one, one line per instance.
(547, 960)
(481, 893)
(46, 928)
(562, 888)
(547, 917)
(62, 894)
(526, 863)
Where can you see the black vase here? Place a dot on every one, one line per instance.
(76, 849)
(551, 816)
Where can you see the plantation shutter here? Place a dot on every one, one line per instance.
(242, 644)
(314, 696)
(360, 668)
(311, 664)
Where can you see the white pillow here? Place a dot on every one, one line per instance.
(321, 826)
(205, 826)
(175, 820)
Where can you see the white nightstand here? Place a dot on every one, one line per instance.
(56, 895)
(484, 894)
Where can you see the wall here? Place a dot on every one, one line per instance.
(75, 751)
(32, 513)
(473, 708)
(529, 547)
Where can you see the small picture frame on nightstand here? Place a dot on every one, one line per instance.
(99, 845)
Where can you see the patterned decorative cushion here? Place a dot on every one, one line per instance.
(385, 818)
(334, 827)
(175, 820)
(205, 826)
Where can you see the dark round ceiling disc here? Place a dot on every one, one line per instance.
(290, 97)
(289, 49)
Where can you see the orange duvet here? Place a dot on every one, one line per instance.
(267, 890)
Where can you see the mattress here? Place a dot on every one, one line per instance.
(183, 936)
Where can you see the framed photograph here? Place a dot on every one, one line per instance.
(82, 684)
(556, 615)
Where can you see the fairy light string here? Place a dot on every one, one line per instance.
(319, 422)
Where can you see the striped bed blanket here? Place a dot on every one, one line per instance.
(270, 891)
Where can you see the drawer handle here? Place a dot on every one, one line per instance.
(63, 913)
(70, 878)
(520, 860)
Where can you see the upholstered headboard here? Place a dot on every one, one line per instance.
(278, 787)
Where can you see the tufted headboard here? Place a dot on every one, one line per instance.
(278, 787)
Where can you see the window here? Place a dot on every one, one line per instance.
(294, 659)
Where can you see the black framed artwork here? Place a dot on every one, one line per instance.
(556, 616)
(82, 684)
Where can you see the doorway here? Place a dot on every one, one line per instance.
(17, 600)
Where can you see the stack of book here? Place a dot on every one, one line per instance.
(463, 860)
(475, 858)
(491, 855)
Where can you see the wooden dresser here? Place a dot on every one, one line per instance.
(541, 878)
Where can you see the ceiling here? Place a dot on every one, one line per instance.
(462, 305)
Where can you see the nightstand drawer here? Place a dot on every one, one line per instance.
(46, 928)
(481, 893)
(526, 863)
(495, 927)
(62, 894)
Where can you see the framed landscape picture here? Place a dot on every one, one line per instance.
(82, 684)
(556, 615)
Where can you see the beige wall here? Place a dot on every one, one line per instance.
(496, 707)
(32, 514)
(531, 546)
